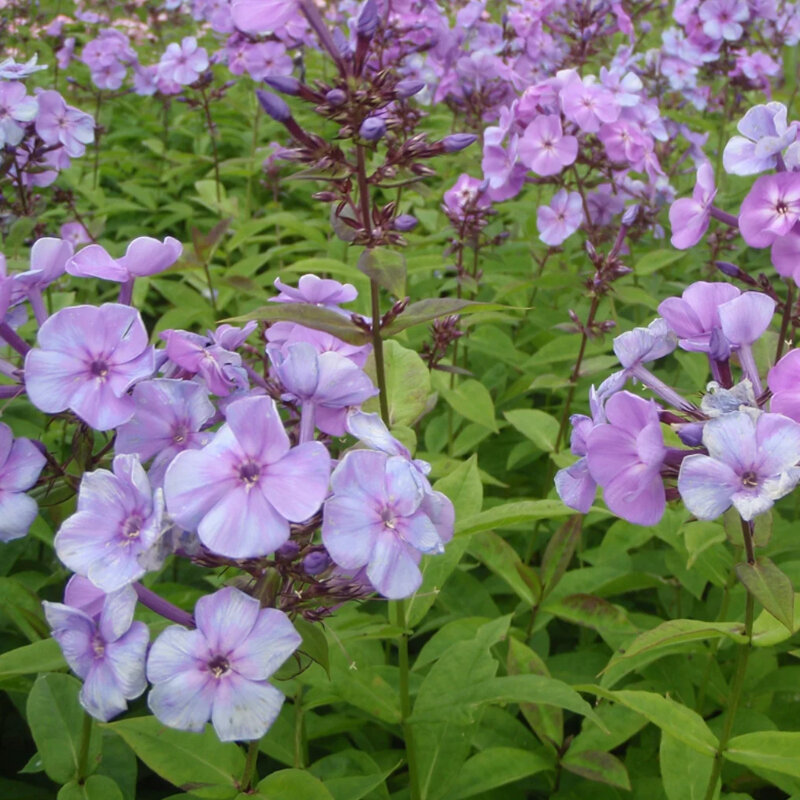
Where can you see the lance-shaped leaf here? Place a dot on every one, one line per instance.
(771, 587)
(509, 514)
(432, 308)
(596, 765)
(773, 750)
(386, 267)
(320, 319)
(559, 552)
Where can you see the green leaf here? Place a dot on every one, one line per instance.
(539, 427)
(496, 766)
(677, 720)
(408, 384)
(195, 762)
(559, 551)
(676, 631)
(684, 772)
(367, 689)
(320, 319)
(434, 307)
(386, 267)
(471, 399)
(656, 260)
(56, 720)
(771, 587)
(293, 784)
(773, 750)
(502, 559)
(315, 643)
(42, 656)
(23, 608)
(767, 631)
(595, 765)
(508, 514)
(96, 787)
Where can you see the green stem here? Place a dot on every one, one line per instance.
(787, 316)
(405, 699)
(299, 738)
(83, 753)
(249, 776)
(212, 134)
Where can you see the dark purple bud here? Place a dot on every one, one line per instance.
(726, 268)
(340, 40)
(691, 434)
(372, 129)
(456, 142)
(287, 551)
(408, 87)
(629, 217)
(335, 97)
(316, 562)
(274, 106)
(405, 223)
(285, 84)
(367, 22)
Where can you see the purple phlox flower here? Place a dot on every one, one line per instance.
(231, 337)
(326, 384)
(721, 18)
(784, 382)
(466, 192)
(168, 419)
(21, 461)
(111, 538)
(689, 216)
(383, 516)
(219, 671)
(145, 79)
(785, 254)
(765, 134)
(751, 463)
(10, 70)
(322, 292)
(144, 256)
(558, 221)
(194, 354)
(48, 258)
(285, 334)
(694, 316)
(66, 53)
(604, 204)
(86, 361)
(75, 233)
(17, 109)
(625, 86)
(718, 400)
(58, 123)
(575, 485)
(498, 162)
(771, 208)
(743, 320)
(262, 16)
(241, 491)
(587, 103)
(625, 456)
(105, 648)
(625, 141)
(543, 147)
(183, 63)
(267, 59)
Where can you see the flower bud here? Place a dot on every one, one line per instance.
(367, 22)
(629, 217)
(408, 87)
(274, 106)
(405, 223)
(335, 97)
(316, 562)
(286, 84)
(372, 129)
(726, 268)
(287, 551)
(456, 142)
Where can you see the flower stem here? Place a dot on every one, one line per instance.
(212, 134)
(83, 753)
(787, 316)
(13, 339)
(149, 598)
(249, 776)
(405, 699)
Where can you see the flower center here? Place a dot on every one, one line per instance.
(98, 646)
(750, 479)
(181, 433)
(388, 518)
(131, 528)
(249, 473)
(99, 368)
(219, 666)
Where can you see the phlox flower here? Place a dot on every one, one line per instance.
(58, 123)
(86, 360)
(220, 670)
(11, 70)
(771, 209)
(784, 383)
(543, 147)
(558, 221)
(689, 217)
(241, 491)
(721, 18)
(383, 515)
(112, 536)
(104, 647)
(316, 291)
(21, 461)
(764, 135)
(588, 104)
(751, 463)
(183, 63)
(262, 16)
(143, 256)
(17, 109)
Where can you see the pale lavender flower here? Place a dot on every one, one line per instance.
(558, 221)
(262, 16)
(743, 320)
(104, 647)
(86, 361)
(689, 217)
(21, 461)
(751, 463)
(11, 70)
(589, 105)
(771, 208)
(383, 516)
(625, 456)
(47, 260)
(168, 420)
(322, 292)
(183, 63)
(721, 18)
(784, 383)
(241, 491)
(16, 110)
(111, 537)
(143, 256)
(58, 123)
(544, 148)
(220, 670)
(764, 135)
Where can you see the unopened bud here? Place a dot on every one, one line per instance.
(408, 87)
(372, 129)
(285, 84)
(629, 217)
(316, 562)
(405, 223)
(367, 22)
(274, 106)
(456, 142)
(287, 551)
(335, 97)
(726, 268)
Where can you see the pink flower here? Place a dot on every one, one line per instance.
(561, 218)
(182, 63)
(543, 147)
(771, 209)
(689, 216)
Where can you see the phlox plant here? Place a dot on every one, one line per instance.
(399, 399)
